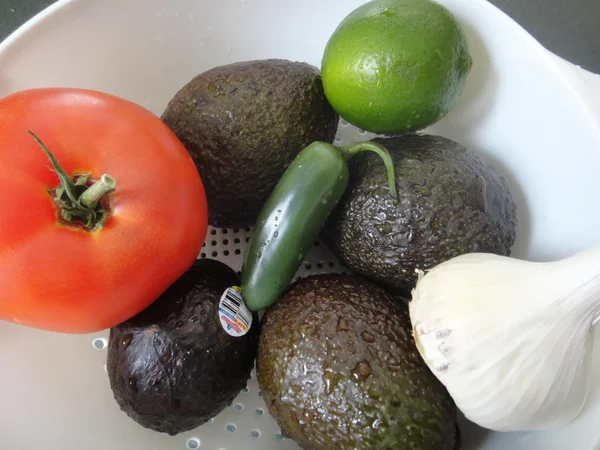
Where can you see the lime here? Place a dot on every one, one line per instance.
(395, 66)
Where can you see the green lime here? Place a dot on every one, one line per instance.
(395, 66)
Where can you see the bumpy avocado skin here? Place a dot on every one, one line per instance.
(451, 202)
(243, 124)
(173, 367)
(339, 370)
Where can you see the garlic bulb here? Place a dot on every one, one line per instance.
(510, 339)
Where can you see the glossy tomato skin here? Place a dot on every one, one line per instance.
(61, 279)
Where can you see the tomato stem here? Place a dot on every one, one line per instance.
(92, 196)
(77, 200)
(349, 151)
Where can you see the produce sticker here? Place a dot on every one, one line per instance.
(235, 317)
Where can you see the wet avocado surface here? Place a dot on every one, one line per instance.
(339, 370)
(243, 124)
(451, 201)
(173, 367)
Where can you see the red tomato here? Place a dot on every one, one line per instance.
(69, 279)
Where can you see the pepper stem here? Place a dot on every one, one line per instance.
(78, 202)
(349, 151)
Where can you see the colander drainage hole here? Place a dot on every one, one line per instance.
(259, 412)
(99, 343)
(255, 434)
(238, 407)
(230, 428)
(245, 390)
(279, 437)
(192, 444)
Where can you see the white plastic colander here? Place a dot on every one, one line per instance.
(535, 117)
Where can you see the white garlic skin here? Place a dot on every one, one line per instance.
(510, 339)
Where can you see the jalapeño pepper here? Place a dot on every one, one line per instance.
(293, 216)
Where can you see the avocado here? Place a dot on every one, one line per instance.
(339, 369)
(243, 124)
(173, 367)
(450, 202)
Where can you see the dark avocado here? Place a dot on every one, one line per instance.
(173, 367)
(451, 201)
(339, 370)
(243, 124)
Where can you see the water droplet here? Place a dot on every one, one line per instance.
(300, 257)
(133, 385)
(127, 340)
(178, 324)
(367, 337)
(229, 47)
(190, 352)
(331, 380)
(342, 325)
(362, 371)
(194, 319)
